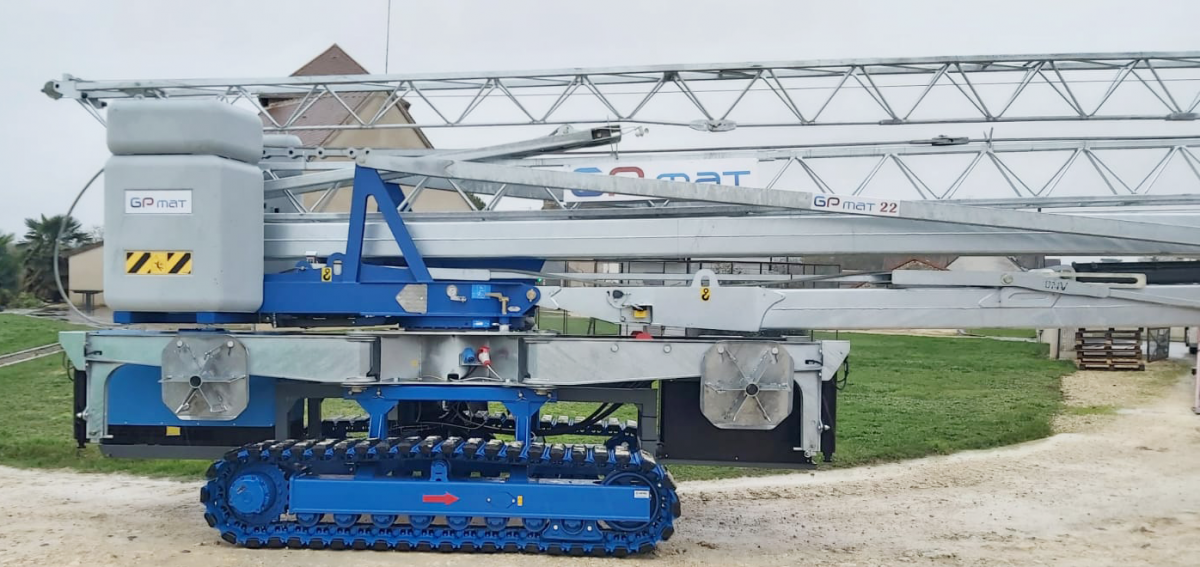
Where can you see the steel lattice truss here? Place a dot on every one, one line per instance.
(1073, 155)
(936, 90)
(1102, 172)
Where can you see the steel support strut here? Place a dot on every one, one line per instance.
(797, 200)
(522, 403)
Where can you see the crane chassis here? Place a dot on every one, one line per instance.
(431, 331)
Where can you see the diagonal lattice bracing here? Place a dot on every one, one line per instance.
(937, 90)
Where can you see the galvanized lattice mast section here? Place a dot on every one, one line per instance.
(721, 97)
(810, 93)
(1101, 160)
(1041, 88)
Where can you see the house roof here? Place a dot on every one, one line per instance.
(333, 61)
(82, 249)
(327, 109)
(920, 264)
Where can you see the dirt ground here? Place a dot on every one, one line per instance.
(1121, 489)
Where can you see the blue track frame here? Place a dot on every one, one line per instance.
(568, 500)
(373, 491)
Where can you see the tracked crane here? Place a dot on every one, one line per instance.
(430, 315)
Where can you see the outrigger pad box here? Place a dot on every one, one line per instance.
(183, 208)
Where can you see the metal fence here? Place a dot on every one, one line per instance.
(1158, 344)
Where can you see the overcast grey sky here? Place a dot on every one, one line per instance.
(48, 149)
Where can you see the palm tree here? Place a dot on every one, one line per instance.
(37, 252)
(10, 266)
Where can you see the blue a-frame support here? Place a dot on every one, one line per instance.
(369, 184)
(350, 287)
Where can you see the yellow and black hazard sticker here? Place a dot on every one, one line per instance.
(705, 293)
(158, 263)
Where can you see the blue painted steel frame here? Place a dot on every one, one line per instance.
(567, 500)
(135, 398)
(359, 289)
(518, 496)
(388, 196)
(200, 318)
(522, 403)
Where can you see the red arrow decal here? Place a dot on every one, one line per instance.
(446, 498)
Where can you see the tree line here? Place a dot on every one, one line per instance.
(27, 265)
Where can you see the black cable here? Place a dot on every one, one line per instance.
(456, 416)
(461, 413)
(457, 426)
(601, 412)
(597, 416)
(845, 381)
(470, 372)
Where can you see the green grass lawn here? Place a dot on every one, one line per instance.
(560, 322)
(907, 397)
(35, 418)
(20, 332)
(915, 396)
(1006, 333)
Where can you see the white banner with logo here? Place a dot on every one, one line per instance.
(731, 172)
(158, 201)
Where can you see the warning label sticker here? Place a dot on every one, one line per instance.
(158, 263)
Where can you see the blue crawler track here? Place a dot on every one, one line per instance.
(246, 496)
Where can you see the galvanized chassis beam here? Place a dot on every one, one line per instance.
(331, 359)
(318, 362)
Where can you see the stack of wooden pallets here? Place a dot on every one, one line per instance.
(1109, 349)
